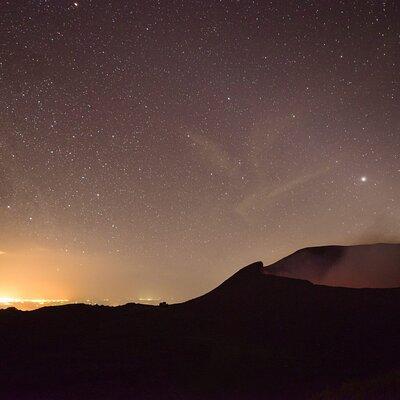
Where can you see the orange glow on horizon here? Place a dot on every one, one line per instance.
(12, 300)
(29, 304)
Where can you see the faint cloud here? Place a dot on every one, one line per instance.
(266, 194)
(212, 152)
(2, 253)
(385, 228)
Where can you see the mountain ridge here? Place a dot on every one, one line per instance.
(254, 336)
(285, 268)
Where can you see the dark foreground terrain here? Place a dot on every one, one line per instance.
(256, 336)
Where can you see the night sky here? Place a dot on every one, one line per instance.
(149, 149)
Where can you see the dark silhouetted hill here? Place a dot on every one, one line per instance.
(376, 265)
(256, 336)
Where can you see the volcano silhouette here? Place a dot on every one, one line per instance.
(256, 336)
(375, 265)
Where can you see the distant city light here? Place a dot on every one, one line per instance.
(20, 300)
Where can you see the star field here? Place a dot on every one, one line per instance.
(151, 148)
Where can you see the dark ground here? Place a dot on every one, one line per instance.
(256, 336)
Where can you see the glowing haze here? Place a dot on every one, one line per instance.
(149, 149)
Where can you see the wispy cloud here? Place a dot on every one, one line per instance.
(265, 195)
(2, 253)
(212, 152)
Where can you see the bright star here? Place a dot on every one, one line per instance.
(363, 179)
